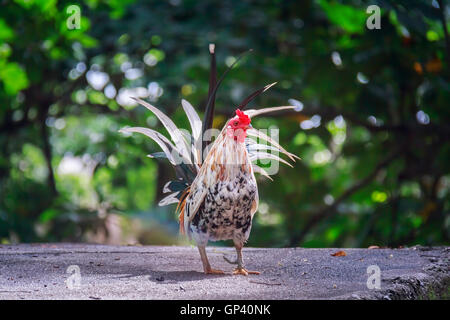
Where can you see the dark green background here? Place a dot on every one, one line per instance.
(375, 169)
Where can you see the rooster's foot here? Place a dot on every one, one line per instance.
(244, 272)
(213, 271)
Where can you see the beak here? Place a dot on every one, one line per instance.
(250, 126)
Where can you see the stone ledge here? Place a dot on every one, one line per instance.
(39, 271)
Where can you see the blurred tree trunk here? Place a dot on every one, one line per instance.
(48, 159)
(46, 147)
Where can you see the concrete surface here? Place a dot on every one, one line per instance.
(39, 271)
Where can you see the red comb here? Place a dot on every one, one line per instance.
(244, 119)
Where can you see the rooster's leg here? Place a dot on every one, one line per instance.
(206, 266)
(240, 268)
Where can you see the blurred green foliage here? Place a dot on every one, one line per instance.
(373, 130)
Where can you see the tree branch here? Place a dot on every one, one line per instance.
(444, 26)
(328, 210)
(330, 113)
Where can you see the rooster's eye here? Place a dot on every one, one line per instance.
(235, 123)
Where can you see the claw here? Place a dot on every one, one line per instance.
(244, 272)
(214, 271)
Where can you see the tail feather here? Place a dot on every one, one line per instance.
(180, 209)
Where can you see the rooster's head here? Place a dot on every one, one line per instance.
(238, 125)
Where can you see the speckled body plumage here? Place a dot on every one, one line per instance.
(225, 193)
(226, 210)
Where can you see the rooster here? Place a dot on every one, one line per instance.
(215, 189)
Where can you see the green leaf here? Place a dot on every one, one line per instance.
(348, 18)
(48, 215)
(6, 33)
(14, 78)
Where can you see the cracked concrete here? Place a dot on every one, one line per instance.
(40, 271)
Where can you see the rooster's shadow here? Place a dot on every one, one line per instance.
(173, 277)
